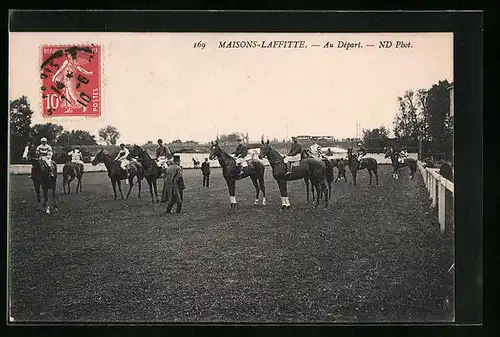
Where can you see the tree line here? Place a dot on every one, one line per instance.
(22, 132)
(423, 122)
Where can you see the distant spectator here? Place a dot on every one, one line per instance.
(205, 171)
(341, 170)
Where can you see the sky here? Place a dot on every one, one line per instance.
(157, 85)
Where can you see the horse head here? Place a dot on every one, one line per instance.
(99, 158)
(265, 149)
(136, 151)
(215, 150)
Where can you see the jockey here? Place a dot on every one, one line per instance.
(44, 153)
(293, 155)
(76, 157)
(27, 149)
(329, 153)
(403, 154)
(162, 154)
(239, 156)
(320, 153)
(122, 158)
(361, 151)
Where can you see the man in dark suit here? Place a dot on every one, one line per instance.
(341, 168)
(173, 188)
(205, 170)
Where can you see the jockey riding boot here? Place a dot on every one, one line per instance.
(288, 169)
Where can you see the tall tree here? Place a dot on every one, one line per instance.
(109, 134)
(376, 139)
(440, 124)
(20, 130)
(50, 131)
(76, 137)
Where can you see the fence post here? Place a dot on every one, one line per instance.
(434, 191)
(442, 206)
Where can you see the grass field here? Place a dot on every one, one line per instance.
(374, 255)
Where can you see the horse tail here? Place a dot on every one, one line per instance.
(329, 170)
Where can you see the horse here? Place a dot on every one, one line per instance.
(330, 164)
(151, 170)
(70, 172)
(116, 174)
(310, 168)
(356, 165)
(396, 164)
(40, 177)
(230, 172)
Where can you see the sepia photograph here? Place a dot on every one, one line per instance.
(173, 177)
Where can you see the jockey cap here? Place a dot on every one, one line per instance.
(160, 141)
(43, 139)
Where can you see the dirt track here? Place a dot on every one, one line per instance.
(374, 255)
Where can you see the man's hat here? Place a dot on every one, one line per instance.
(43, 139)
(238, 139)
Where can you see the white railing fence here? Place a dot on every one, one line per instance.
(437, 186)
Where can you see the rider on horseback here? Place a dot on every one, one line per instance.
(76, 157)
(44, 154)
(122, 158)
(239, 156)
(403, 154)
(361, 153)
(295, 151)
(163, 154)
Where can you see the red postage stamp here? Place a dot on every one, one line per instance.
(71, 80)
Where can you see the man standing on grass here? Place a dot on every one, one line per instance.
(341, 168)
(205, 170)
(173, 187)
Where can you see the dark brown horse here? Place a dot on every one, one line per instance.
(41, 178)
(230, 171)
(311, 168)
(397, 165)
(356, 165)
(70, 172)
(151, 170)
(116, 174)
(330, 164)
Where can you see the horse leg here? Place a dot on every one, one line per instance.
(354, 177)
(376, 175)
(130, 185)
(45, 200)
(232, 193)
(156, 190)
(263, 189)
(285, 203)
(330, 189)
(37, 191)
(306, 180)
(150, 184)
(119, 183)
(113, 184)
(139, 185)
(319, 192)
(54, 201)
(326, 192)
(257, 190)
(370, 173)
(69, 182)
(64, 182)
